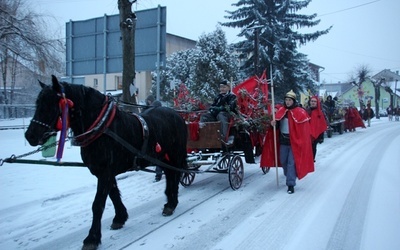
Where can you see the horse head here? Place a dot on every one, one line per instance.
(46, 120)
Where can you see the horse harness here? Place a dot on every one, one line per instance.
(98, 127)
(101, 125)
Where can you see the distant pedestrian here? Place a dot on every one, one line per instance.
(368, 114)
(396, 112)
(389, 111)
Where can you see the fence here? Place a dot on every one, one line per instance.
(8, 111)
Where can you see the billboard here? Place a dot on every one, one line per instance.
(94, 46)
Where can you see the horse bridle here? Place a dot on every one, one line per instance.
(41, 123)
(57, 121)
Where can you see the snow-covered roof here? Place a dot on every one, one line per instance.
(333, 93)
(395, 87)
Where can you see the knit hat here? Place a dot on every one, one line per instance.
(150, 99)
(224, 82)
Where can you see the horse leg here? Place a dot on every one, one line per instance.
(93, 239)
(171, 191)
(121, 215)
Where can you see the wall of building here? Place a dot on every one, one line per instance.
(114, 83)
(368, 91)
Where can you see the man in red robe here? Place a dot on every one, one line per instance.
(295, 152)
(318, 123)
(353, 118)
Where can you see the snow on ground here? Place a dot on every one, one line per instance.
(352, 201)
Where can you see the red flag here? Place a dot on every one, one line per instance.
(252, 83)
(249, 85)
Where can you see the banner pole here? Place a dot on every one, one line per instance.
(274, 127)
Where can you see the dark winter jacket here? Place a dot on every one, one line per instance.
(224, 102)
(368, 114)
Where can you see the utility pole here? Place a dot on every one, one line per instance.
(127, 25)
(256, 43)
(395, 92)
(377, 87)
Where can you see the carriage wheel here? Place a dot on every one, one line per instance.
(223, 165)
(265, 169)
(235, 172)
(341, 128)
(187, 179)
(329, 132)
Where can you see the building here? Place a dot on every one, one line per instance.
(366, 93)
(383, 84)
(315, 71)
(391, 82)
(334, 89)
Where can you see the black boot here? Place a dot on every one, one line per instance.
(158, 178)
(290, 190)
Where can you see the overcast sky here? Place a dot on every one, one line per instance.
(365, 32)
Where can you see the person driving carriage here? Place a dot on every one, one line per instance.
(220, 110)
(330, 106)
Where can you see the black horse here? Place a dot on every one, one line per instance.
(106, 136)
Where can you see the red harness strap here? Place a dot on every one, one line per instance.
(98, 127)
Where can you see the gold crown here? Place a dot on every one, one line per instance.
(291, 94)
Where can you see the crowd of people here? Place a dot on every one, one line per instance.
(393, 112)
(298, 129)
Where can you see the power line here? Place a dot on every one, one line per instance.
(350, 8)
(359, 54)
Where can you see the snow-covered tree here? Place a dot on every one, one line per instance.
(25, 42)
(179, 69)
(200, 69)
(271, 29)
(362, 74)
(215, 62)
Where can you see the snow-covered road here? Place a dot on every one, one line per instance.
(352, 201)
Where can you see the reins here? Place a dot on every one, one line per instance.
(15, 159)
(99, 127)
(144, 156)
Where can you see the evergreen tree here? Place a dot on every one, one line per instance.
(200, 69)
(271, 32)
(179, 69)
(215, 62)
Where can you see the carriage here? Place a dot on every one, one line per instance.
(205, 148)
(208, 151)
(335, 119)
(113, 141)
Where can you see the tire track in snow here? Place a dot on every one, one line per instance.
(348, 230)
(145, 217)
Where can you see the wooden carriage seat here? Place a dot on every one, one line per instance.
(209, 135)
